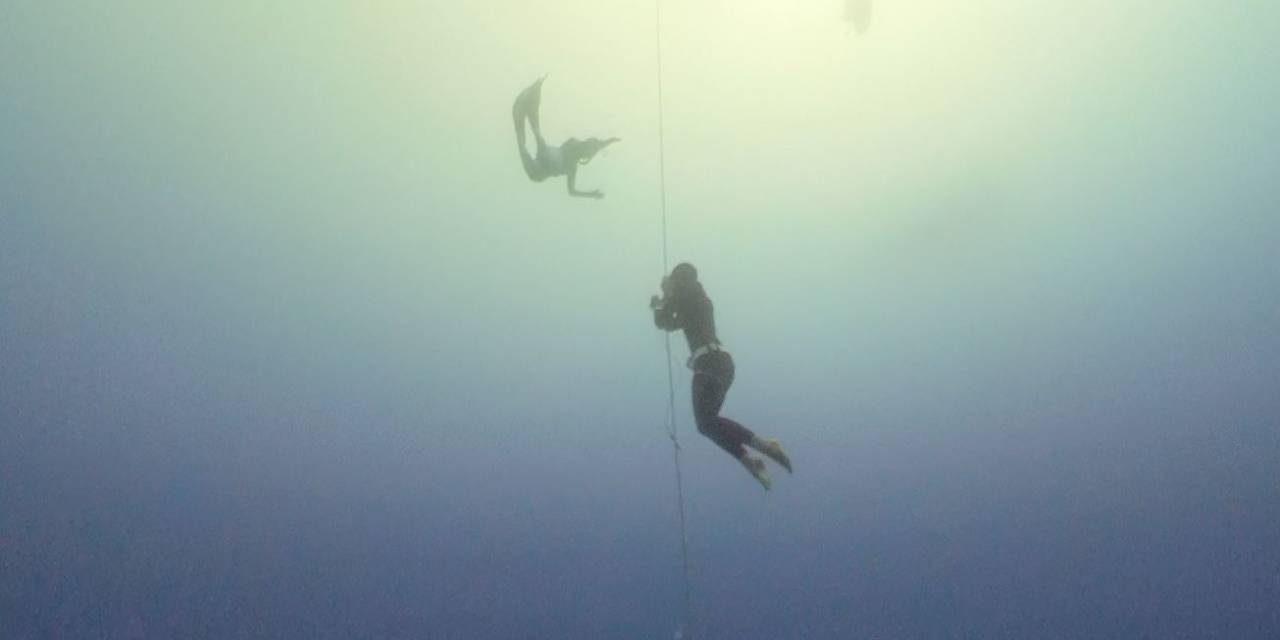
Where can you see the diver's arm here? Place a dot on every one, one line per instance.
(664, 318)
(570, 177)
(664, 313)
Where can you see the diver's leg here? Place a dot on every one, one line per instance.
(711, 385)
(734, 432)
(708, 396)
(731, 437)
(737, 433)
(520, 112)
(531, 167)
(519, 123)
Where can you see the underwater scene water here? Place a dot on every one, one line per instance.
(292, 345)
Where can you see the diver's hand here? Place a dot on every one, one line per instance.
(666, 285)
(655, 302)
(594, 193)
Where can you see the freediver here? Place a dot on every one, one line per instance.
(550, 161)
(684, 305)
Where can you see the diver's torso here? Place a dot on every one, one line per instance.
(551, 160)
(698, 319)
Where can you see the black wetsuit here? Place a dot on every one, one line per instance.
(691, 310)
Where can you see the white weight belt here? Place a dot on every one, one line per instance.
(704, 350)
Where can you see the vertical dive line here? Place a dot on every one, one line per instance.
(671, 387)
(675, 445)
(662, 140)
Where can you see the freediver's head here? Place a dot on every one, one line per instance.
(591, 146)
(684, 275)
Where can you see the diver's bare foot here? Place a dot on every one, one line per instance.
(773, 449)
(755, 466)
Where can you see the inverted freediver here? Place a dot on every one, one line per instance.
(550, 161)
(684, 305)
